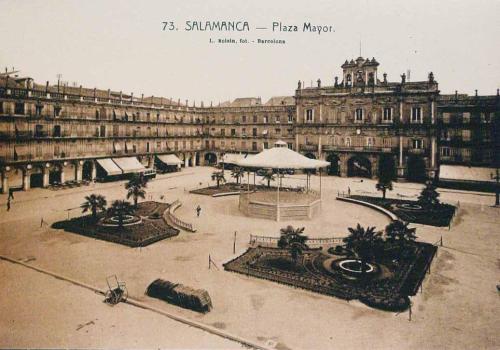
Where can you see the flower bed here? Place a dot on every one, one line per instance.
(410, 211)
(149, 230)
(387, 290)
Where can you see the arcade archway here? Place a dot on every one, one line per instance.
(359, 166)
(87, 170)
(210, 158)
(334, 168)
(416, 169)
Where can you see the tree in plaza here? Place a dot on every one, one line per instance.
(135, 188)
(93, 203)
(383, 185)
(120, 208)
(237, 173)
(399, 232)
(386, 175)
(218, 176)
(293, 240)
(363, 242)
(268, 176)
(429, 196)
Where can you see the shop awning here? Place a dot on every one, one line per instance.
(129, 165)
(117, 147)
(465, 173)
(109, 166)
(169, 159)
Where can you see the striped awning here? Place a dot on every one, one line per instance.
(129, 165)
(169, 159)
(109, 166)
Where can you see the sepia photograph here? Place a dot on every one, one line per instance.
(230, 174)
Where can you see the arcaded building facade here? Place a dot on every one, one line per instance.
(362, 124)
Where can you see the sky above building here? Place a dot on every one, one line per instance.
(121, 45)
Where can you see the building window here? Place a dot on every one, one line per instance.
(1, 107)
(370, 141)
(254, 146)
(38, 109)
(254, 132)
(103, 131)
(57, 131)
(418, 143)
(445, 152)
(466, 118)
(266, 119)
(233, 132)
(278, 131)
(255, 119)
(39, 130)
(243, 118)
(416, 115)
(387, 116)
(445, 135)
(278, 119)
(97, 115)
(309, 115)
(57, 111)
(222, 132)
(446, 118)
(266, 145)
(359, 115)
(348, 142)
(290, 145)
(19, 108)
(290, 118)
(466, 135)
(387, 142)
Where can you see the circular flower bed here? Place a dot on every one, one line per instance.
(355, 266)
(127, 220)
(408, 206)
(351, 268)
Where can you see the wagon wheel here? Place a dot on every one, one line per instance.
(124, 294)
(109, 297)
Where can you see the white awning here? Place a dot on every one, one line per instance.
(465, 173)
(169, 159)
(109, 166)
(117, 147)
(129, 165)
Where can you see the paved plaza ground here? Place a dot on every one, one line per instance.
(458, 307)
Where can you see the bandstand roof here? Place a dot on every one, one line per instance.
(281, 157)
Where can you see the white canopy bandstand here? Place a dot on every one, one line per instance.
(280, 157)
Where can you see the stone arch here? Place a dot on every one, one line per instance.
(36, 176)
(210, 158)
(55, 173)
(387, 166)
(335, 164)
(415, 166)
(87, 170)
(359, 166)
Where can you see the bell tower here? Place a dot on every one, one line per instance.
(362, 72)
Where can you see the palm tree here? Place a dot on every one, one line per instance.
(429, 196)
(135, 188)
(120, 208)
(363, 241)
(268, 176)
(219, 177)
(398, 231)
(93, 203)
(237, 173)
(293, 240)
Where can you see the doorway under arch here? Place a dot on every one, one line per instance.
(359, 166)
(334, 167)
(210, 158)
(416, 169)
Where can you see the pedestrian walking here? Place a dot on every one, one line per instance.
(11, 193)
(8, 204)
(348, 191)
(198, 210)
(41, 222)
